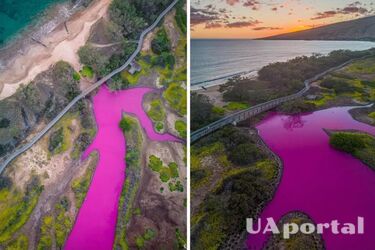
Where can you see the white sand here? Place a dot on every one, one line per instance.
(22, 69)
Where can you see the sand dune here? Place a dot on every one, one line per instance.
(23, 68)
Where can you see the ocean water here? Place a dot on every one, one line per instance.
(219, 59)
(318, 180)
(95, 225)
(15, 15)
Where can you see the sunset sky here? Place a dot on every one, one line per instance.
(257, 18)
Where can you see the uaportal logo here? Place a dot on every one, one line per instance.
(306, 228)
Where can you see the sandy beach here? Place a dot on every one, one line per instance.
(22, 68)
(213, 93)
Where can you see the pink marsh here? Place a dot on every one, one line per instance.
(318, 180)
(95, 225)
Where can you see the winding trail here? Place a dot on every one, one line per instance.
(39, 135)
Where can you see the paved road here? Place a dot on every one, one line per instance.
(87, 91)
(257, 109)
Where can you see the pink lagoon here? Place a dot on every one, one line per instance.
(318, 180)
(95, 225)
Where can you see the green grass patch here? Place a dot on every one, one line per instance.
(87, 72)
(60, 139)
(366, 66)
(20, 243)
(361, 146)
(173, 167)
(218, 110)
(155, 163)
(180, 127)
(165, 174)
(76, 76)
(234, 106)
(16, 207)
(133, 79)
(156, 111)
(372, 115)
(45, 241)
(148, 235)
(81, 184)
(176, 97)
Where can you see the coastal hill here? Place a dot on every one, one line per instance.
(362, 29)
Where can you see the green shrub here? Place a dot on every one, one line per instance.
(165, 174)
(56, 140)
(161, 42)
(76, 76)
(156, 112)
(173, 167)
(245, 154)
(180, 127)
(87, 71)
(155, 163)
(159, 126)
(181, 17)
(4, 123)
(176, 97)
(125, 124)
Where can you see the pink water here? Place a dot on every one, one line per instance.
(96, 221)
(322, 182)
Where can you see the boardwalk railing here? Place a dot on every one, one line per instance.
(260, 108)
(87, 91)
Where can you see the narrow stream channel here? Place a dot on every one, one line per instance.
(318, 180)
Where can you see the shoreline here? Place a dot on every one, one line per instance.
(33, 58)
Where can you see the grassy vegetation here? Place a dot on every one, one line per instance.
(372, 115)
(45, 240)
(180, 127)
(148, 235)
(202, 111)
(167, 174)
(242, 179)
(57, 225)
(87, 72)
(156, 111)
(366, 66)
(132, 132)
(60, 139)
(81, 184)
(76, 76)
(56, 141)
(161, 43)
(159, 127)
(20, 243)
(219, 111)
(180, 17)
(176, 97)
(234, 106)
(181, 240)
(132, 80)
(361, 146)
(16, 207)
